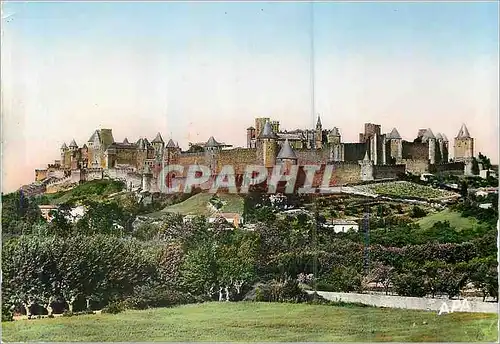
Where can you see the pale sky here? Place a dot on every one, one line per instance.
(192, 70)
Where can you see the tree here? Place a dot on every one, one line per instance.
(103, 218)
(146, 232)
(195, 149)
(411, 281)
(475, 167)
(199, 269)
(484, 275)
(382, 274)
(61, 224)
(169, 263)
(236, 261)
(417, 212)
(483, 159)
(19, 213)
(29, 271)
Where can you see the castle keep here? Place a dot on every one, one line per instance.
(376, 155)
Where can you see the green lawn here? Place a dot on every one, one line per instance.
(247, 321)
(456, 220)
(197, 204)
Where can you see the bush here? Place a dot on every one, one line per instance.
(7, 314)
(148, 296)
(343, 279)
(410, 284)
(283, 290)
(417, 212)
(286, 290)
(114, 308)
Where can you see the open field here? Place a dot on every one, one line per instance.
(198, 204)
(454, 218)
(249, 321)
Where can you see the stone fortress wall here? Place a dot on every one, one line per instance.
(375, 156)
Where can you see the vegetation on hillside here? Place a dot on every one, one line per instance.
(199, 204)
(103, 261)
(404, 189)
(92, 190)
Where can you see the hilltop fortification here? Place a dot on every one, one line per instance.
(376, 155)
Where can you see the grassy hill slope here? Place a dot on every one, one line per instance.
(454, 218)
(198, 204)
(249, 321)
(95, 190)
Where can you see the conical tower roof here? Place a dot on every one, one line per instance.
(158, 139)
(93, 136)
(318, 122)
(140, 144)
(170, 144)
(267, 132)
(366, 156)
(463, 133)
(212, 142)
(73, 144)
(287, 152)
(429, 134)
(126, 141)
(394, 134)
(64, 146)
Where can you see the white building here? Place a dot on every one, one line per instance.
(343, 226)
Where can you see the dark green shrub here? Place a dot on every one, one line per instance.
(7, 313)
(417, 212)
(343, 279)
(114, 308)
(410, 283)
(284, 290)
(151, 296)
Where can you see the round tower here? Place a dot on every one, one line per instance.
(267, 146)
(73, 146)
(64, 149)
(158, 145)
(286, 156)
(212, 148)
(146, 178)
